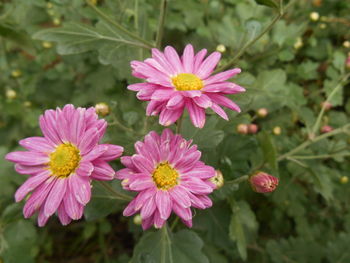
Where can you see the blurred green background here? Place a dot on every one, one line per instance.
(290, 71)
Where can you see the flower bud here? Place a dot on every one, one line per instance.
(221, 48)
(242, 128)
(102, 109)
(46, 44)
(323, 26)
(299, 43)
(137, 220)
(218, 179)
(262, 112)
(277, 130)
(56, 21)
(326, 129)
(347, 62)
(314, 16)
(253, 128)
(346, 44)
(326, 105)
(344, 180)
(11, 94)
(16, 73)
(263, 183)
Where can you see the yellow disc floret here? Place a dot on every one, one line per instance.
(165, 176)
(187, 81)
(64, 160)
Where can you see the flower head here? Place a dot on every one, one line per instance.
(62, 164)
(174, 84)
(167, 173)
(263, 183)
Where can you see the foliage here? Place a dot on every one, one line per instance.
(59, 52)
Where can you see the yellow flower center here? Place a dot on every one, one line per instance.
(187, 81)
(165, 176)
(64, 160)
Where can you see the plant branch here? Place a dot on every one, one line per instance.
(238, 180)
(160, 30)
(115, 193)
(119, 26)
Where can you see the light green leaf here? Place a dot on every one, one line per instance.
(236, 233)
(269, 150)
(269, 3)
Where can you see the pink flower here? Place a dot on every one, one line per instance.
(326, 129)
(62, 164)
(175, 83)
(167, 173)
(263, 183)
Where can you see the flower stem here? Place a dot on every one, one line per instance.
(159, 37)
(238, 180)
(115, 193)
(305, 144)
(320, 115)
(119, 26)
(179, 125)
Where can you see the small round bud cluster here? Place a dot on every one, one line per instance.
(221, 48)
(326, 105)
(326, 129)
(299, 43)
(46, 44)
(314, 16)
(262, 112)
(247, 128)
(344, 179)
(277, 130)
(262, 182)
(16, 73)
(11, 94)
(102, 109)
(137, 220)
(218, 179)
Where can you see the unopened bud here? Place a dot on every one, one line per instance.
(346, 44)
(47, 44)
(277, 130)
(263, 183)
(326, 105)
(11, 94)
(56, 21)
(16, 73)
(262, 112)
(253, 128)
(137, 220)
(314, 16)
(242, 128)
(221, 48)
(344, 179)
(326, 129)
(299, 43)
(218, 179)
(102, 109)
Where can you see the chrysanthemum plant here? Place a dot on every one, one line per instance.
(165, 179)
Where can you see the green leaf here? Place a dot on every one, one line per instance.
(269, 3)
(269, 150)
(17, 36)
(236, 233)
(184, 246)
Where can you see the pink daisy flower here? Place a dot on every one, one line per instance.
(62, 164)
(167, 173)
(175, 83)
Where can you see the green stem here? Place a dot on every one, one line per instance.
(160, 30)
(331, 95)
(119, 26)
(238, 180)
(179, 125)
(316, 139)
(174, 223)
(321, 156)
(163, 241)
(117, 195)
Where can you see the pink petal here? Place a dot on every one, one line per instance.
(89, 140)
(81, 188)
(78, 125)
(196, 113)
(180, 196)
(38, 144)
(197, 186)
(208, 65)
(188, 223)
(175, 102)
(95, 153)
(154, 107)
(223, 87)
(226, 102)
(30, 184)
(218, 110)
(24, 169)
(71, 206)
(172, 56)
(183, 213)
(42, 218)
(55, 197)
(148, 208)
(85, 168)
(141, 184)
(162, 94)
(188, 58)
(162, 60)
(158, 221)
(147, 223)
(102, 171)
(203, 101)
(163, 203)
(63, 216)
(143, 196)
(130, 209)
(198, 59)
(222, 76)
(48, 127)
(113, 152)
(27, 158)
(142, 164)
(168, 117)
